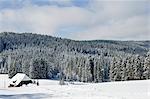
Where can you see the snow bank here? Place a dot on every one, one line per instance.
(50, 89)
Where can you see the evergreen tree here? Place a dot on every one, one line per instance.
(146, 73)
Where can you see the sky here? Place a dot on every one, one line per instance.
(78, 19)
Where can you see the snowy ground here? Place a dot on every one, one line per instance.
(49, 89)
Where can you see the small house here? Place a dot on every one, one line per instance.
(19, 79)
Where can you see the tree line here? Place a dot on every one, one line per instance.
(42, 56)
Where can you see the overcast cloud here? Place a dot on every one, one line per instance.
(78, 19)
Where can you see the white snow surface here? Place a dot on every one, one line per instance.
(50, 89)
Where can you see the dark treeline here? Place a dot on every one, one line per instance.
(42, 56)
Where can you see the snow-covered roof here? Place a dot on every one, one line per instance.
(18, 78)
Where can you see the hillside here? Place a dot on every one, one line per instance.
(14, 41)
(43, 56)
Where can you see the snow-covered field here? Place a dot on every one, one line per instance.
(50, 89)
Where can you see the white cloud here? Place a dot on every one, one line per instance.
(118, 20)
(135, 28)
(99, 20)
(45, 19)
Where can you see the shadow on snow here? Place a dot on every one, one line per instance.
(25, 96)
